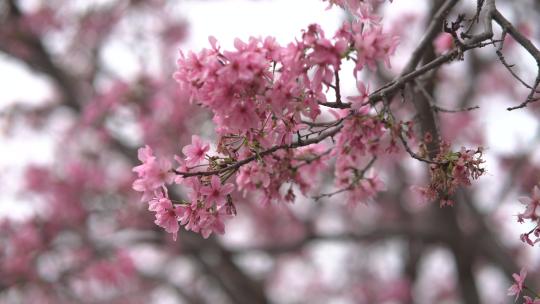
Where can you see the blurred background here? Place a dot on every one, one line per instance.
(84, 83)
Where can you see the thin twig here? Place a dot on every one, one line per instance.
(245, 161)
(351, 186)
(505, 63)
(337, 88)
(437, 108)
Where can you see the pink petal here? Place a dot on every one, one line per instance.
(227, 188)
(215, 182)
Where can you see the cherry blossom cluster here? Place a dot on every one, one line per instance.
(261, 90)
(531, 213)
(265, 99)
(449, 170)
(359, 138)
(204, 212)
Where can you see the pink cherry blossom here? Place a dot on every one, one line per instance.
(443, 43)
(532, 211)
(194, 190)
(212, 222)
(517, 287)
(373, 45)
(196, 152)
(241, 116)
(216, 192)
(357, 102)
(152, 173)
(204, 221)
(366, 15)
(167, 215)
(365, 190)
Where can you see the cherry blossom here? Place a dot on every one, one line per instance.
(443, 43)
(167, 214)
(531, 206)
(517, 287)
(153, 173)
(361, 100)
(531, 214)
(216, 192)
(195, 152)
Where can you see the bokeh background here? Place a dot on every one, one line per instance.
(85, 83)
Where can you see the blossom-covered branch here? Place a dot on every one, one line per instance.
(261, 95)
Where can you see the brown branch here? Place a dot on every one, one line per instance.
(337, 88)
(336, 105)
(321, 124)
(432, 30)
(245, 161)
(391, 88)
(423, 105)
(520, 38)
(505, 63)
(407, 229)
(530, 97)
(507, 27)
